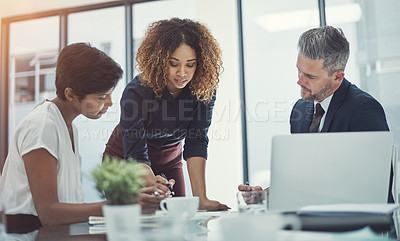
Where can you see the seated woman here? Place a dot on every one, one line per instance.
(41, 176)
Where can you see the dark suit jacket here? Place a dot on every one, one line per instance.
(351, 109)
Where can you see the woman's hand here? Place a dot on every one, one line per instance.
(157, 181)
(162, 184)
(155, 190)
(149, 198)
(212, 205)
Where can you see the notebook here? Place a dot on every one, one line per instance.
(329, 168)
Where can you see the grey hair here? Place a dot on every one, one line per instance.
(327, 43)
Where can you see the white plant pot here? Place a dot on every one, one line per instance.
(122, 222)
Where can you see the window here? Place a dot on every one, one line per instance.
(270, 33)
(105, 30)
(373, 29)
(32, 61)
(142, 18)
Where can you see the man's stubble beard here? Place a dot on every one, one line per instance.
(322, 94)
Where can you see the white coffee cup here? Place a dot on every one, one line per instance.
(180, 206)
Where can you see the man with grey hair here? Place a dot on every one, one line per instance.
(322, 58)
(330, 103)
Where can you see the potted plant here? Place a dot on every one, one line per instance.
(119, 182)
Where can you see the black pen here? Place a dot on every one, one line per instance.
(248, 184)
(169, 185)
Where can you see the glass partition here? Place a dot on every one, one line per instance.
(373, 30)
(270, 33)
(105, 30)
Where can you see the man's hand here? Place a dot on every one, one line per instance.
(243, 187)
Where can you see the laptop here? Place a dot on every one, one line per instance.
(329, 168)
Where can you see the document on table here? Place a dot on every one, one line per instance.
(97, 224)
(93, 220)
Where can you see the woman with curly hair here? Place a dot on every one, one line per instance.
(171, 100)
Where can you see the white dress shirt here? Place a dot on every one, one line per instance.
(325, 105)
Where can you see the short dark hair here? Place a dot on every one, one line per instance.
(327, 43)
(86, 70)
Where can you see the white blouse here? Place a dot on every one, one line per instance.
(44, 127)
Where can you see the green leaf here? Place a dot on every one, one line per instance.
(119, 181)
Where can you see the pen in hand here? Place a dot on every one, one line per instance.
(168, 185)
(248, 184)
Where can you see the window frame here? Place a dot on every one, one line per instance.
(63, 36)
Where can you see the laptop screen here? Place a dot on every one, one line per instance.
(329, 168)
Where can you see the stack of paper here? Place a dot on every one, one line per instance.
(93, 220)
(97, 225)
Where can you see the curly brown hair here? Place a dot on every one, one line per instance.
(162, 39)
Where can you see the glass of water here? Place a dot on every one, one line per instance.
(252, 202)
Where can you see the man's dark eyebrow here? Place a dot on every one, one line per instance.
(190, 60)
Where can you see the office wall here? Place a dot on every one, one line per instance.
(224, 166)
